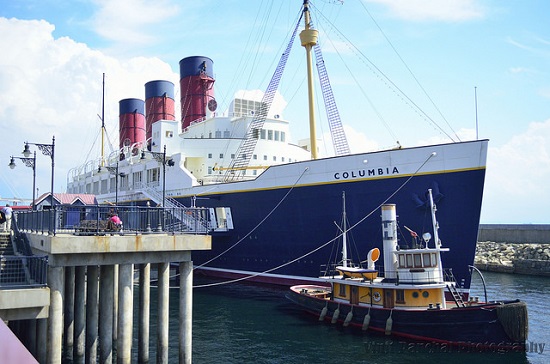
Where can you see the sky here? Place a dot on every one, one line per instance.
(405, 72)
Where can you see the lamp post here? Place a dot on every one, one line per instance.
(46, 149)
(114, 170)
(161, 158)
(29, 162)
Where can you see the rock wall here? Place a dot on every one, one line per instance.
(513, 258)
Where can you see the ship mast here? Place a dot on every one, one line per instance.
(103, 123)
(308, 37)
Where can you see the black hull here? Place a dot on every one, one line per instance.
(478, 326)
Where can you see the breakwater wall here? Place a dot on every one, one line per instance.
(521, 249)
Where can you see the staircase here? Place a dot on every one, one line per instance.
(189, 221)
(12, 269)
(6, 247)
(451, 286)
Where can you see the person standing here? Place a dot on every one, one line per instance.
(7, 214)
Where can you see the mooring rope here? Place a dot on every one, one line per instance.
(259, 224)
(321, 246)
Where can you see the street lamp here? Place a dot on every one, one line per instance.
(114, 170)
(29, 162)
(161, 158)
(46, 149)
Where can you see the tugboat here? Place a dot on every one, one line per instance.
(408, 299)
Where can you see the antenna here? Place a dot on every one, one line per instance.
(103, 123)
(475, 96)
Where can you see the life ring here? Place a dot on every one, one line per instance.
(376, 296)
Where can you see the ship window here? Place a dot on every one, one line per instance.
(434, 260)
(218, 134)
(254, 172)
(282, 159)
(221, 155)
(232, 156)
(409, 260)
(103, 186)
(400, 296)
(255, 133)
(262, 134)
(342, 292)
(209, 170)
(153, 175)
(426, 259)
(255, 156)
(270, 135)
(210, 135)
(402, 261)
(210, 155)
(226, 134)
(276, 135)
(282, 136)
(112, 184)
(265, 157)
(417, 261)
(274, 158)
(124, 182)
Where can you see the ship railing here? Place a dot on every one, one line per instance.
(188, 221)
(424, 277)
(93, 220)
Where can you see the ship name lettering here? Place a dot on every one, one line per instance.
(366, 172)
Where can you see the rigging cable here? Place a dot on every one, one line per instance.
(321, 246)
(260, 223)
(389, 83)
(409, 70)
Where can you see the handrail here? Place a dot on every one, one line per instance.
(92, 219)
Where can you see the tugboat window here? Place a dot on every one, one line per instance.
(400, 296)
(342, 290)
(417, 261)
(425, 294)
(401, 260)
(409, 260)
(427, 260)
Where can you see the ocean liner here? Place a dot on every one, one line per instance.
(271, 198)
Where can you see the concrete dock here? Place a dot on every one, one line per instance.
(86, 308)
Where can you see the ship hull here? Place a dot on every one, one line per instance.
(479, 326)
(284, 220)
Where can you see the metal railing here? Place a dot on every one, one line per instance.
(23, 271)
(89, 220)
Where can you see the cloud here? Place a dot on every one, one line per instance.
(52, 87)
(128, 21)
(437, 10)
(516, 172)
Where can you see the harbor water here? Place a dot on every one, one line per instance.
(243, 323)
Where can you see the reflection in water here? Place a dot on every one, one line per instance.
(241, 323)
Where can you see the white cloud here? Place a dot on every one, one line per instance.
(517, 175)
(439, 10)
(52, 87)
(127, 20)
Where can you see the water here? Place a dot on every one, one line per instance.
(241, 323)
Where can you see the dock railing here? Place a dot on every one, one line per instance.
(23, 271)
(94, 220)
